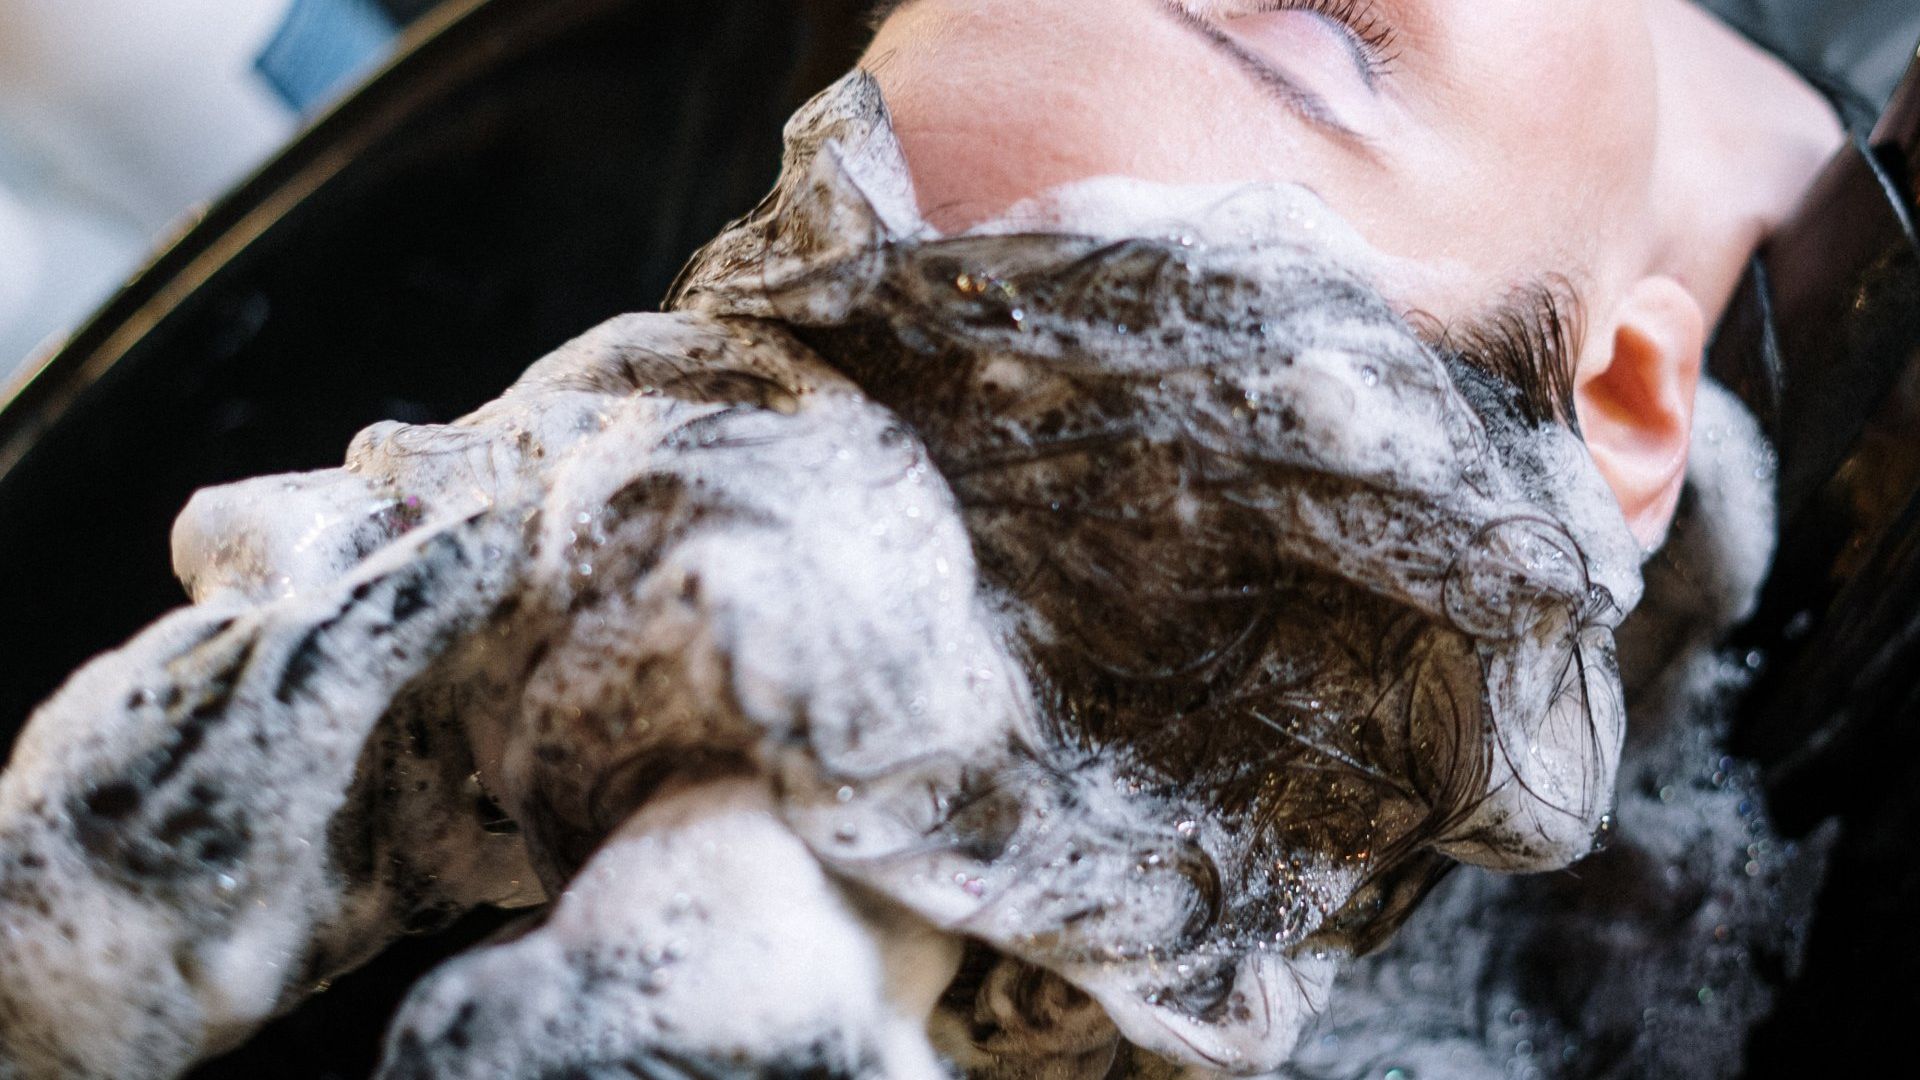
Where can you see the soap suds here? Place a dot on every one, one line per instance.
(636, 973)
(1146, 606)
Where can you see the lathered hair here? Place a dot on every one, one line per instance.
(1328, 606)
(1135, 597)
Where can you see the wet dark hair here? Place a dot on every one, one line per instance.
(1527, 341)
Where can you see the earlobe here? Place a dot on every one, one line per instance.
(1636, 401)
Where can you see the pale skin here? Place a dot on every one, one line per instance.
(1631, 146)
(1637, 149)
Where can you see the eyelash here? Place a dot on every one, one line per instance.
(1376, 36)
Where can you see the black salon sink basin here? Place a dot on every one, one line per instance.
(524, 170)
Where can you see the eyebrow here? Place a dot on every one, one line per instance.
(1303, 102)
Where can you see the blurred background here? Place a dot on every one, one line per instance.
(356, 210)
(118, 118)
(121, 119)
(237, 231)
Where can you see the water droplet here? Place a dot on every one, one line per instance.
(844, 795)
(1603, 835)
(846, 834)
(1705, 995)
(1397, 1074)
(1370, 376)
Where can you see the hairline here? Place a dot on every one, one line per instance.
(1526, 339)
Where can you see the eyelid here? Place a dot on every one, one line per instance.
(1302, 100)
(1372, 37)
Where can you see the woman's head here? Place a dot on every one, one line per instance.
(1559, 186)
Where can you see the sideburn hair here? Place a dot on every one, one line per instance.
(1527, 341)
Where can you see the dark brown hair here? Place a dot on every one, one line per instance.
(1528, 342)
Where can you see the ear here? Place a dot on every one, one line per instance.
(1635, 400)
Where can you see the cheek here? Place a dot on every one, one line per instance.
(1555, 129)
(1598, 92)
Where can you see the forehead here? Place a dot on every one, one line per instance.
(1507, 134)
